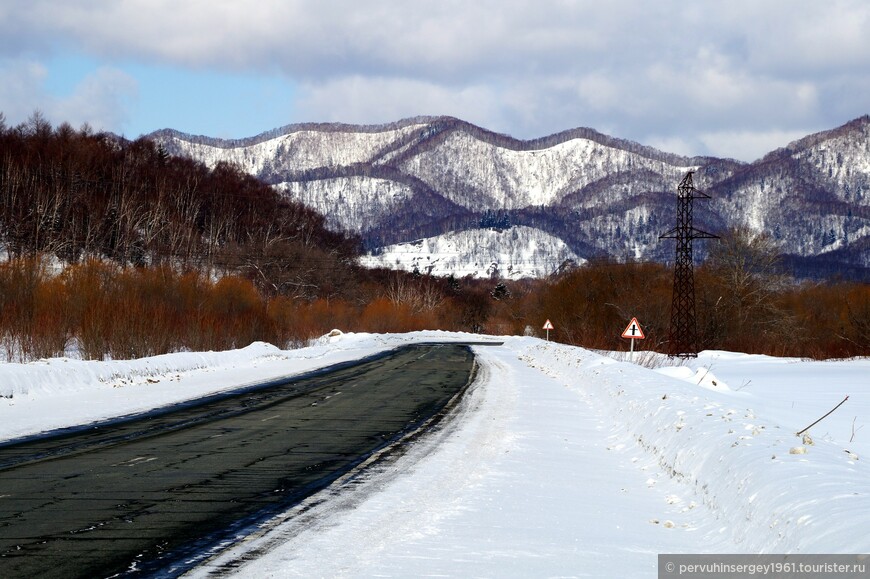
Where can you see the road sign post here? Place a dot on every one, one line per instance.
(548, 325)
(633, 332)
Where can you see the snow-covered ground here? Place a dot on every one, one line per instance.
(558, 462)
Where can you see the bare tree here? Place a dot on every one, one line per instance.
(422, 294)
(746, 265)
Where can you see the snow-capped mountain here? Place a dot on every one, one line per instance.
(436, 176)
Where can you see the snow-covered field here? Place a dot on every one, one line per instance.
(558, 462)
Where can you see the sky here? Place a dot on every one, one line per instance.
(730, 79)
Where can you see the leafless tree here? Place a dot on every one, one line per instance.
(746, 265)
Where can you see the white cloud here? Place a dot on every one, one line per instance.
(808, 37)
(359, 99)
(102, 99)
(749, 145)
(675, 144)
(663, 70)
(20, 91)
(600, 92)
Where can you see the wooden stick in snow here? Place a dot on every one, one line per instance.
(823, 417)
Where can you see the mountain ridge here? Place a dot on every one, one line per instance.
(603, 196)
(517, 143)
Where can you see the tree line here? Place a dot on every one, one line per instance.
(97, 309)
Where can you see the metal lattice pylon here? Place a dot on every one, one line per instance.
(683, 336)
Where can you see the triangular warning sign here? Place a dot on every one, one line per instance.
(633, 330)
(548, 325)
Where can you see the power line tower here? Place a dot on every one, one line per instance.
(683, 336)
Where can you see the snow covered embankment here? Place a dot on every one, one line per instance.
(46, 378)
(771, 492)
(45, 395)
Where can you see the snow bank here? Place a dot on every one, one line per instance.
(771, 492)
(46, 378)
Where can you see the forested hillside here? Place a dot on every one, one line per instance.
(77, 195)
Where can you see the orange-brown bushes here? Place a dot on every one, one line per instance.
(282, 312)
(318, 317)
(49, 333)
(236, 314)
(592, 305)
(122, 313)
(833, 320)
(384, 316)
(32, 319)
(103, 310)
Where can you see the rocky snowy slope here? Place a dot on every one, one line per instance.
(429, 176)
(514, 253)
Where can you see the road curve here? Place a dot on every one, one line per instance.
(137, 497)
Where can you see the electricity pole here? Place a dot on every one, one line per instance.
(683, 336)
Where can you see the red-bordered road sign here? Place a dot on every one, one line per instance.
(548, 325)
(633, 330)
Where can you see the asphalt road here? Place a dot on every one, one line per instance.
(139, 496)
